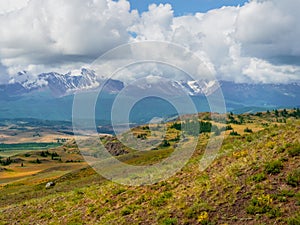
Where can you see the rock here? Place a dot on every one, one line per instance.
(50, 184)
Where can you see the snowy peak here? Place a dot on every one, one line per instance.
(199, 87)
(85, 79)
(59, 84)
(68, 83)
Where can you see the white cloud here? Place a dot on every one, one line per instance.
(58, 32)
(257, 42)
(238, 42)
(154, 24)
(7, 6)
(269, 28)
(264, 72)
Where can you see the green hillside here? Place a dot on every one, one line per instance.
(254, 180)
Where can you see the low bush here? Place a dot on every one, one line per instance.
(259, 205)
(234, 133)
(294, 151)
(247, 130)
(162, 199)
(170, 221)
(293, 220)
(293, 178)
(259, 177)
(273, 167)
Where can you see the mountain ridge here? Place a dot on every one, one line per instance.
(51, 95)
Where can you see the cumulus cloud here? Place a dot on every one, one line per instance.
(256, 42)
(7, 6)
(269, 29)
(58, 32)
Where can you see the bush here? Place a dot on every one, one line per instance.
(294, 220)
(247, 130)
(161, 200)
(259, 177)
(129, 209)
(165, 143)
(170, 221)
(273, 167)
(293, 179)
(270, 144)
(6, 162)
(283, 195)
(295, 151)
(44, 154)
(126, 211)
(229, 127)
(196, 209)
(273, 213)
(234, 133)
(259, 205)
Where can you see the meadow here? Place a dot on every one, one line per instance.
(255, 179)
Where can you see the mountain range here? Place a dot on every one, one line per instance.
(51, 95)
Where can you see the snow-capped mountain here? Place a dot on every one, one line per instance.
(59, 84)
(65, 84)
(29, 97)
(195, 88)
(236, 94)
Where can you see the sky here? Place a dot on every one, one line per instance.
(181, 7)
(253, 41)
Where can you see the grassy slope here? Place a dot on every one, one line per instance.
(241, 187)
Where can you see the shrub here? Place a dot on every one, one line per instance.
(37, 161)
(293, 179)
(249, 138)
(176, 126)
(165, 143)
(295, 151)
(283, 195)
(259, 205)
(196, 209)
(270, 144)
(273, 167)
(234, 133)
(229, 127)
(162, 199)
(43, 154)
(273, 213)
(126, 211)
(294, 220)
(170, 221)
(6, 162)
(247, 130)
(259, 177)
